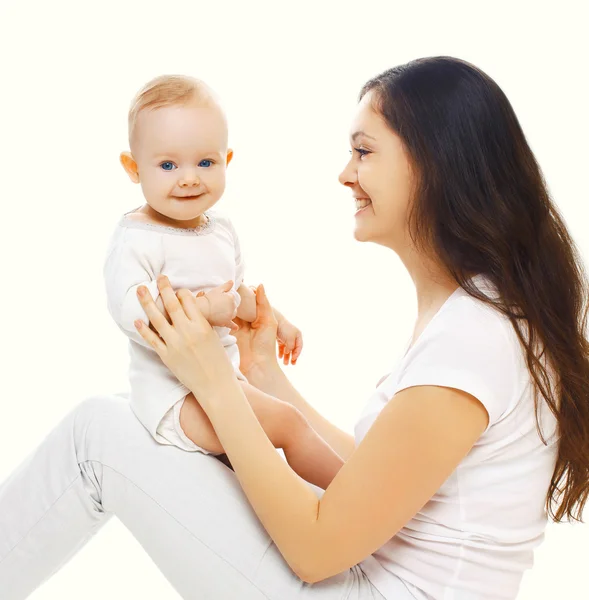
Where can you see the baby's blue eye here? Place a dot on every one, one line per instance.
(206, 160)
(167, 166)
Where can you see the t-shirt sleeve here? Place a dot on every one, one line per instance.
(466, 348)
(135, 258)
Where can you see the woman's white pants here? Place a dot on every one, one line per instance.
(186, 509)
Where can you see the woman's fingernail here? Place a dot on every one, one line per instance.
(138, 324)
(141, 291)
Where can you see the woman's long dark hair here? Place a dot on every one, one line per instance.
(481, 203)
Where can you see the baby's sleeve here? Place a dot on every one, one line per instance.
(135, 258)
(239, 261)
(468, 349)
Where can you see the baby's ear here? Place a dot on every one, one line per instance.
(130, 166)
(229, 155)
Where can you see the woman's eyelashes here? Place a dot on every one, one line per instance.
(170, 166)
(360, 151)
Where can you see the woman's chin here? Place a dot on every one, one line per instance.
(361, 234)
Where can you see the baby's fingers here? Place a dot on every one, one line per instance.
(287, 353)
(297, 349)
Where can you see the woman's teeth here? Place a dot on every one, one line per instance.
(362, 203)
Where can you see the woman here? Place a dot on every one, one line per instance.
(479, 431)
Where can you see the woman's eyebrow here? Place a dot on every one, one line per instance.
(358, 133)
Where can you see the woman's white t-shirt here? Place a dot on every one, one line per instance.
(476, 536)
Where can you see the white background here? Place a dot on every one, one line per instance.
(289, 75)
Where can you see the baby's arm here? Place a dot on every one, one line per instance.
(136, 259)
(247, 307)
(290, 339)
(217, 306)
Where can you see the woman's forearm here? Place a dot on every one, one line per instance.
(274, 382)
(284, 503)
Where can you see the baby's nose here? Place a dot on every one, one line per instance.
(189, 179)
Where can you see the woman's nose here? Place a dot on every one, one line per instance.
(348, 175)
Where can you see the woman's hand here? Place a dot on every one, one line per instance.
(257, 340)
(187, 345)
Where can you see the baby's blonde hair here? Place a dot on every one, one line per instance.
(170, 90)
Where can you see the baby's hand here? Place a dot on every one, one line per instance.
(290, 342)
(222, 304)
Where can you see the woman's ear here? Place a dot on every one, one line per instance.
(130, 166)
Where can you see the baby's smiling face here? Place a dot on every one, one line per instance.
(180, 158)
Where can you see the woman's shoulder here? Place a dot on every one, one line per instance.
(469, 313)
(474, 332)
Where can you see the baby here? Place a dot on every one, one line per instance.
(179, 153)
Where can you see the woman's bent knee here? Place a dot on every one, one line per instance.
(103, 410)
(103, 423)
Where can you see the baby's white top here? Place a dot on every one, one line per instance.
(476, 536)
(196, 259)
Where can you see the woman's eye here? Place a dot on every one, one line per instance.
(206, 160)
(167, 166)
(360, 151)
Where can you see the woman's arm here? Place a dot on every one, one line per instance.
(272, 380)
(257, 348)
(416, 442)
(414, 445)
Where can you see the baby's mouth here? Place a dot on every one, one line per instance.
(193, 197)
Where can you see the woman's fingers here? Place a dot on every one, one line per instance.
(186, 299)
(155, 316)
(170, 300)
(152, 338)
(240, 322)
(264, 313)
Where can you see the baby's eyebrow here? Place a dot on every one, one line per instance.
(173, 155)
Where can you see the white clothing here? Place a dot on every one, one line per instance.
(197, 259)
(187, 511)
(476, 536)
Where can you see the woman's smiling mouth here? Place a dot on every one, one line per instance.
(361, 204)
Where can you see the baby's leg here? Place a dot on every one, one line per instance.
(197, 426)
(277, 418)
(307, 453)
